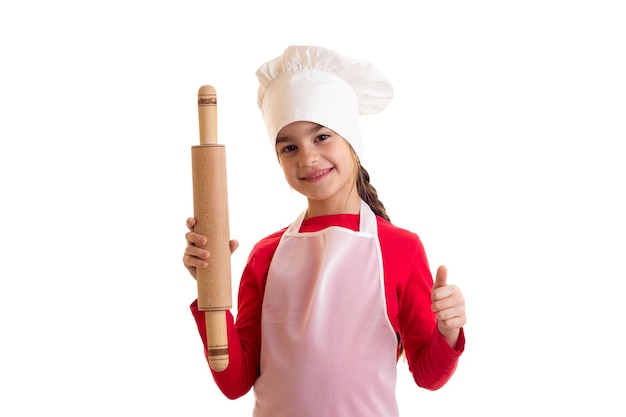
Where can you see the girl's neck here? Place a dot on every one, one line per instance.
(326, 207)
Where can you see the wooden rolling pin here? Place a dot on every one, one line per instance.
(210, 200)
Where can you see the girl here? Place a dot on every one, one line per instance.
(327, 305)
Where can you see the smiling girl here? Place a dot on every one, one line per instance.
(327, 305)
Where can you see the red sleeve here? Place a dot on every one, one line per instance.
(244, 334)
(408, 286)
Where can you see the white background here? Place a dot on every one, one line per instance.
(503, 150)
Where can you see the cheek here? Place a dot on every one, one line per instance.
(348, 164)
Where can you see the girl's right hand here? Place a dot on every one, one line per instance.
(195, 257)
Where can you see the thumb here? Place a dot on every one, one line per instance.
(441, 278)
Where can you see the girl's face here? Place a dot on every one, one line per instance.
(319, 164)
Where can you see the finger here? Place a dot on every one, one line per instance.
(196, 252)
(452, 317)
(191, 223)
(456, 322)
(194, 238)
(455, 310)
(445, 297)
(234, 244)
(441, 278)
(192, 260)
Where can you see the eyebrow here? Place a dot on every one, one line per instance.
(313, 129)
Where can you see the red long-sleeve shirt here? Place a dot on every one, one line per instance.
(408, 284)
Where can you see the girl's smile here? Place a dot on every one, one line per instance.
(317, 175)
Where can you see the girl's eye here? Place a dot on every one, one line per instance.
(322, 137)
(288, 148)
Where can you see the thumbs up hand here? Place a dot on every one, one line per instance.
(449, 306)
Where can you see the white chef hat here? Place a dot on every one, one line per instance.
(315, 84)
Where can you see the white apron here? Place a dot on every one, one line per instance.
(327, 348)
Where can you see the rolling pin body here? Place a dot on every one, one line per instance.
(210, 199)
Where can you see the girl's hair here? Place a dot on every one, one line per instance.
(367, 192)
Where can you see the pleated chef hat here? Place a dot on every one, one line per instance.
(315, 84)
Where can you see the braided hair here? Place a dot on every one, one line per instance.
(366, 190)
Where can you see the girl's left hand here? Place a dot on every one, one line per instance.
(449, 306)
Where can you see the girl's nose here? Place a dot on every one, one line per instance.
(308, 156)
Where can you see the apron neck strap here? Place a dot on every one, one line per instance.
(367, 220)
